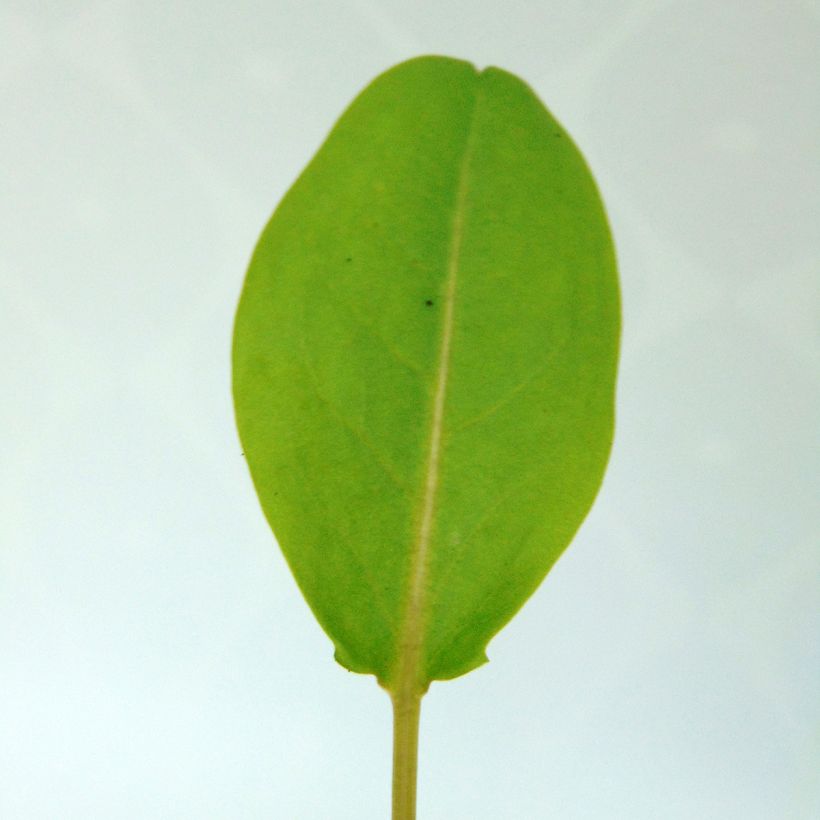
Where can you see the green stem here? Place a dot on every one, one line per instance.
(406, 711)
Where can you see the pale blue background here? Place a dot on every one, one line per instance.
(156, 660)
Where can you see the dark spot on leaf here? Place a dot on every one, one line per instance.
(349, 259)
(429, 303)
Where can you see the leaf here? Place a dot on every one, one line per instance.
(424, 364)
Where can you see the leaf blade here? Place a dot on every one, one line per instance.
(418, 396)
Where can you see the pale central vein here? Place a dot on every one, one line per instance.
(413, 623)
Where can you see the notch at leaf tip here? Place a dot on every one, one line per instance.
(439, 58)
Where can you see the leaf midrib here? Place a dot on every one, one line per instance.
(410, 644)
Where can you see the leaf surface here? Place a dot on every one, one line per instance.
(424, 358)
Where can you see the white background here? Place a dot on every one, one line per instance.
(156, 659)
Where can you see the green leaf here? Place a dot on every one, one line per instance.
(424, 366)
